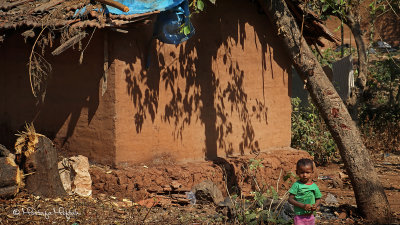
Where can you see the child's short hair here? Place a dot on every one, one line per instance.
(304, 162)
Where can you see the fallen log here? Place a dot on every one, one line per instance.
(8, 172)
(10, 175)
(47, 6)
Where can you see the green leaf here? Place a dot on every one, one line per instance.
(212, 1)
(250, 216)
(186, 30)
(325, 7)
(200, 5)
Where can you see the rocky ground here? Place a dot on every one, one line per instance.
(339, 207)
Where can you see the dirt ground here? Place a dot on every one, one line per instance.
(388, 169)
(107, 209)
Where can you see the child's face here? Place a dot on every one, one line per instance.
(305, 173)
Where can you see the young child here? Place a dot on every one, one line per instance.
(304, 194)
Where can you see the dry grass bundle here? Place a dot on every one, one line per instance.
(27, 141)
(39, 68)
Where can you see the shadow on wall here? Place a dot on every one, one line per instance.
(203, 98)
(72, 89)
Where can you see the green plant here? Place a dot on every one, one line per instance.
(196, 6)
(310, 133)
(380, 112)
(328, 56)
(255, 164)
(265, 205)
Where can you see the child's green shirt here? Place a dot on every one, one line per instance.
(306, 194)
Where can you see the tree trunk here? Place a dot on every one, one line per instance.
(369, 193)
(355, 27)
(361, 81)
(43, 178)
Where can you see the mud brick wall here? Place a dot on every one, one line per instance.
(225, 92)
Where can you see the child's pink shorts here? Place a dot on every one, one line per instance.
(304, 220)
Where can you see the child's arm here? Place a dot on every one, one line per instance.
(298, 204)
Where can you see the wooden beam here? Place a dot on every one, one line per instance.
(47, 6)
(6, 5)
(115, 4)
(105, 64)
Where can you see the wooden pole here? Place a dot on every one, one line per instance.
(115, 4)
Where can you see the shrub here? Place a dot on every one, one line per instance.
(265, 206)
(380, 111)
(310, 133)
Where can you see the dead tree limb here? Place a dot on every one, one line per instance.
(114, 4)
(7, 6)
(368, 190)
(46, 6)
(66, 45)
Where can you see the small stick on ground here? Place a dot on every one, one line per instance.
(148, 212)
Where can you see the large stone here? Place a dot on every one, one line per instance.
(65, 175)
(74, 173)
(207, 190)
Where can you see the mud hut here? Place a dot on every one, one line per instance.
(119, 96)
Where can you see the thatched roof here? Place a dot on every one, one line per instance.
(57, 13)
(29, 14)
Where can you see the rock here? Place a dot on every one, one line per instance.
(65, 175)
(330, 199)
(382, 44)
(343, 176)
(324, 177)
(342, 215)
(207, 190)
(337, 183)
(149, 203)
(371, 51)
(226, 203)
(4, 151)
(74, 173)
(166, 188)
(286, 212)
(175, 184)
(82, 180)
(191, 197)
